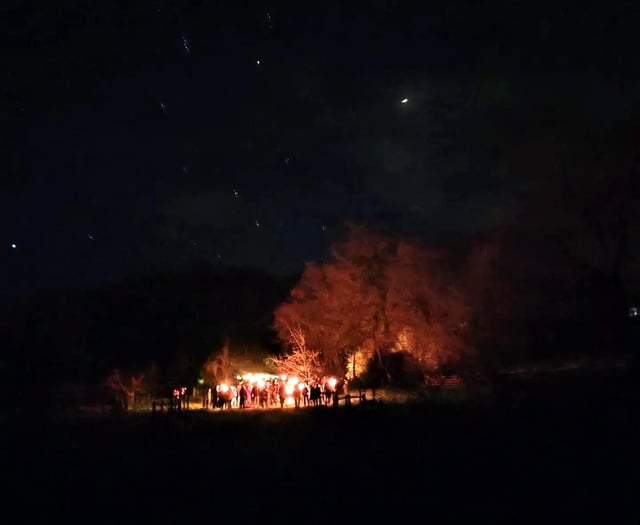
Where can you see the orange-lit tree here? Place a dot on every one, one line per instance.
(427, 308)
(337, 304)
(379, 295)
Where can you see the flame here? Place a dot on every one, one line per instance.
(288, 389)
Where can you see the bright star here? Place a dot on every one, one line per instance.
(185, 44)
(13, 246)
(404, 101)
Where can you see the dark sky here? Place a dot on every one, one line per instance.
(157, 135)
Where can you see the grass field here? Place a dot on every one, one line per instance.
(546, 457)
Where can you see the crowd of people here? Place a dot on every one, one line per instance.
(272, 392)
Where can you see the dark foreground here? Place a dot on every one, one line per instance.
(547, 456)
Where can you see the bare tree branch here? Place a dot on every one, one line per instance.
(299, 361)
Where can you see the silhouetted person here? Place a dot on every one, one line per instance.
(316, 394)
(263, 397)
(327, 395)
(243, 396)
(282, 393)
(296, 396)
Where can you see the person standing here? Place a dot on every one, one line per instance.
(282, 394)
(243, 396)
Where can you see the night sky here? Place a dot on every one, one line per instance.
(158, 135)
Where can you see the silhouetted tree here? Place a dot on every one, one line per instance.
(584, 180)
(223, 366)
(153, 380)
(489, 289)
(126, 389)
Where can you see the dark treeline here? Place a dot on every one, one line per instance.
(171, 320)
(178, 320)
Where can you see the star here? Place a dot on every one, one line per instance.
(257, 224)
(185, 44)
(404, 101)
(163, 106)
(90, 237)
(324, 228)
(13, 246)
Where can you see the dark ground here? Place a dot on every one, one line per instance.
(548, 451)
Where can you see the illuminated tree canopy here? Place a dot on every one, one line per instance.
(379, 294)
